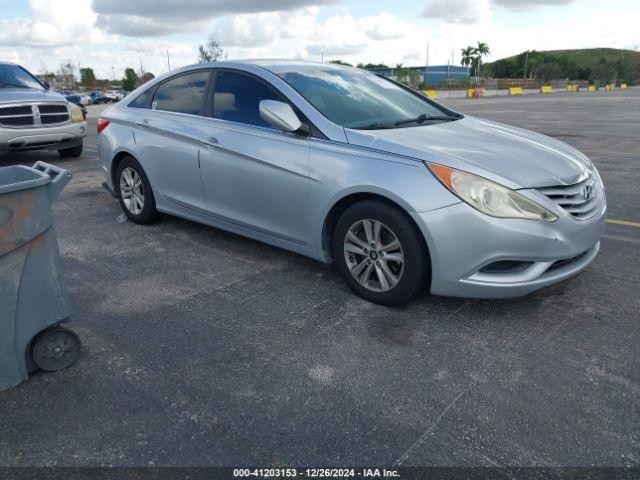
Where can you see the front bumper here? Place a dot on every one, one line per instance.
(44, 137)
(464, 242)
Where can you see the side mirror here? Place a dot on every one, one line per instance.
(280, 115)
(46, 85)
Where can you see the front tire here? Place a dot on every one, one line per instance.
(134, 192)
(73, 152)
(380, 253)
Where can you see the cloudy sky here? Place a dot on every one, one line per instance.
(110, 35)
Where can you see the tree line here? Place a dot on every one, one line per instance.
(544, 66)
(555, 65)
(65, 78)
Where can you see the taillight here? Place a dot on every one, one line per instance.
(101, 124)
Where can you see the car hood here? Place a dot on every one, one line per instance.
(14, 95)
(515, 157)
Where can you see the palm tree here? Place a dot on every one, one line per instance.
(401, 72)
(481, 50)
(468, 57)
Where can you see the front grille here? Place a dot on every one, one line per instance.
(53, 109)
(580, 199)
(16, 116)
(34, 115)
(54, 118)
(53, 113)
(17, 121)
(21, 110)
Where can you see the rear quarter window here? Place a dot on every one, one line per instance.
(142, 100)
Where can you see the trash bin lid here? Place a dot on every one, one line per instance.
(19, 177)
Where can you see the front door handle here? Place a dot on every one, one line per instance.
(144, 123)
(211, 142)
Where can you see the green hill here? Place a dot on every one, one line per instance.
(593, 64)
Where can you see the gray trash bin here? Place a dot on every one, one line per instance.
(33, 290)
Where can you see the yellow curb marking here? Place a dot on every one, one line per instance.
(623, 222)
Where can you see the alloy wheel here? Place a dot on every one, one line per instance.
(374, 255)
(132, 190)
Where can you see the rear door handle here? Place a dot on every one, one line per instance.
(142, 123)
(211, 142)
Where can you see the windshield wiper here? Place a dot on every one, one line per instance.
(425, 118)
(374, 126)
(419, 120)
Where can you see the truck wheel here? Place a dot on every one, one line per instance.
(55, 349)
(73, 152)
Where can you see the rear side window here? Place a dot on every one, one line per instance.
(183, 94)
(142, 100)
(237, 98)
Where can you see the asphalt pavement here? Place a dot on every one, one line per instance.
(203, 348)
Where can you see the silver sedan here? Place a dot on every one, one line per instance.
(403, 194)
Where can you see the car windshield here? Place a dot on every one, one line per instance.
(355, 98)
(13, 76)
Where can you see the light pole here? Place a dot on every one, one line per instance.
(426, 70)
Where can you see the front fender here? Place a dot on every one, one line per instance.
(338, 171)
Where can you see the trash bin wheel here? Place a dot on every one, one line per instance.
(55, 349)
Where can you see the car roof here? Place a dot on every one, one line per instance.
(279, 66)
(275, 65)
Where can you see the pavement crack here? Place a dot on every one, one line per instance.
(427, 432)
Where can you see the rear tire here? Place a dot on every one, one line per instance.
(134, 192)
(73, 152)
(55, 349)
(388, 264)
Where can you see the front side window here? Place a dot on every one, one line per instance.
(13, 76)
(354, 98)
(237, 98)
(183, 94)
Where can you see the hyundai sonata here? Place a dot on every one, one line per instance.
(403, 194)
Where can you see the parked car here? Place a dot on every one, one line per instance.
(98, 98)
(401, 193)
(85, 99)
(114, 95)
(32, 117)
(76, 99)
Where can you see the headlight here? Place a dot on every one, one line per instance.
(489, 197)
(76, 113)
